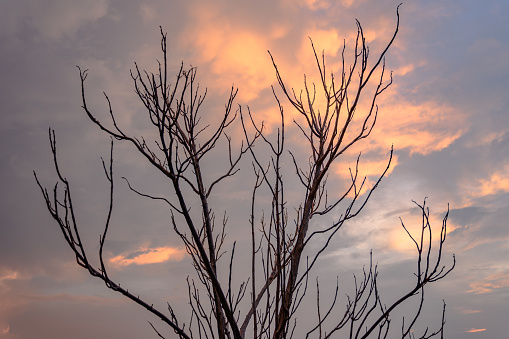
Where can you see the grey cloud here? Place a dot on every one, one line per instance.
(54, 19)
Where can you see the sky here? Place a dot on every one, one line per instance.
(446, 113)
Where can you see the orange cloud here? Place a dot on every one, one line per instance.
(11, 275)
(349, 3)
(498, 182)
(145, 255)
(398, 240)
(236, 55)
(402, 70)
(371, 167)
(329, 41)
(421, 128)
(473, 330)
(490, 283)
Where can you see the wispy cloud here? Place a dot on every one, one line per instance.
(421, 128)
(490, 283)
(468, 311)
(473, 330)
(5, 328)
(11, 275)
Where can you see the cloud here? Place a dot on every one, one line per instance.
(480, 231)
(316, 4)
(468, 311)
(403, 70)
(421, 127)
(474, 330)
(324, 5)
(5, 328)
(487, 138)
(440, 91)
(236, 54)
(497, 182)
(397, 239)
(12, 275)
(490, 283)
(371, 166)
(145, 255)
(52, 19)
(148, 13)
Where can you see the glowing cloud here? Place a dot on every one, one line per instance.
(146, 255)
(327, 40)
(371, 167)
(498, 182)
(238, 55)
(473, 330)
(405, 69)
(398, 240)
(421, 128)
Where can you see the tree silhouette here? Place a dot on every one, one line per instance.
(265, 303)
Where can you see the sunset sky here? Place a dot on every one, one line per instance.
(446, 113)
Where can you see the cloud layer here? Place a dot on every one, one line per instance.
(446, 115)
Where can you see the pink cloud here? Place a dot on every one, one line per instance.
(490, 283)
(473, 330)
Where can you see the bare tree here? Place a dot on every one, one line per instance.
(280, 234)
